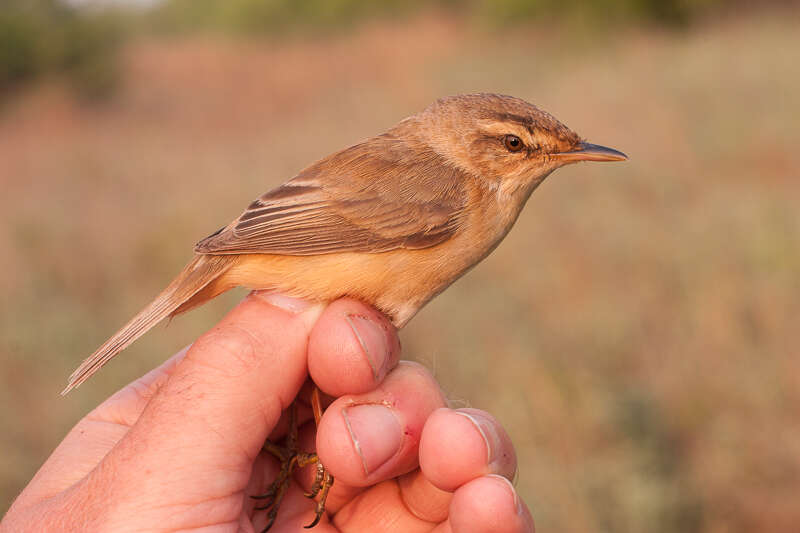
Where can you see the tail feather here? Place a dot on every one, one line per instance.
(201, 271)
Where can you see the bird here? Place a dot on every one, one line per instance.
(391, 221)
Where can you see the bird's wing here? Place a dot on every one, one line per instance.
(373, 197)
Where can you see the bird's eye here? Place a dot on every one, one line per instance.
(512, 143)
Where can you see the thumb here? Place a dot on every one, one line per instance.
(223, 398)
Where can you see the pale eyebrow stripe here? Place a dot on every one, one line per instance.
(517, 119)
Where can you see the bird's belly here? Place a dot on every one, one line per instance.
(398, 283)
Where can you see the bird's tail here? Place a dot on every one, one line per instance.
(197, 275)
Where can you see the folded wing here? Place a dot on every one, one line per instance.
(373, 197)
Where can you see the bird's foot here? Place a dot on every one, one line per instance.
(291, 458)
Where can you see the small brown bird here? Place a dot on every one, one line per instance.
(391, 221)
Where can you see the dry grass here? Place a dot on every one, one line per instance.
(637, 331)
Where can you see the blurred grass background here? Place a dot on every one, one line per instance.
(636, 332)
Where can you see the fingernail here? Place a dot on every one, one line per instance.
(372, 339)
(517, 503)
(287, 303)
(486, 429)
(375, 432)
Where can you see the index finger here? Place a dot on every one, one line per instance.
(351, 348)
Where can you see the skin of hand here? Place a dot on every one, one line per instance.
(180, 448)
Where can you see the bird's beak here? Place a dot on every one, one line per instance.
(589, 152)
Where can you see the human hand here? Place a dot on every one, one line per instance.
(180, 448)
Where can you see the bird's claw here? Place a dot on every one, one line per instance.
(291, 459)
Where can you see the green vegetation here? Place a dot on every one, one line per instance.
(270, 16)
(42, 37)
(45, 37)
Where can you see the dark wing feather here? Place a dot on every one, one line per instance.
(376, 196)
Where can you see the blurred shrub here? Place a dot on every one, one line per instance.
(270, 16)
(663, 12)
(42, 37)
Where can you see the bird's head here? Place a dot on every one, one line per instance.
(503, 139)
